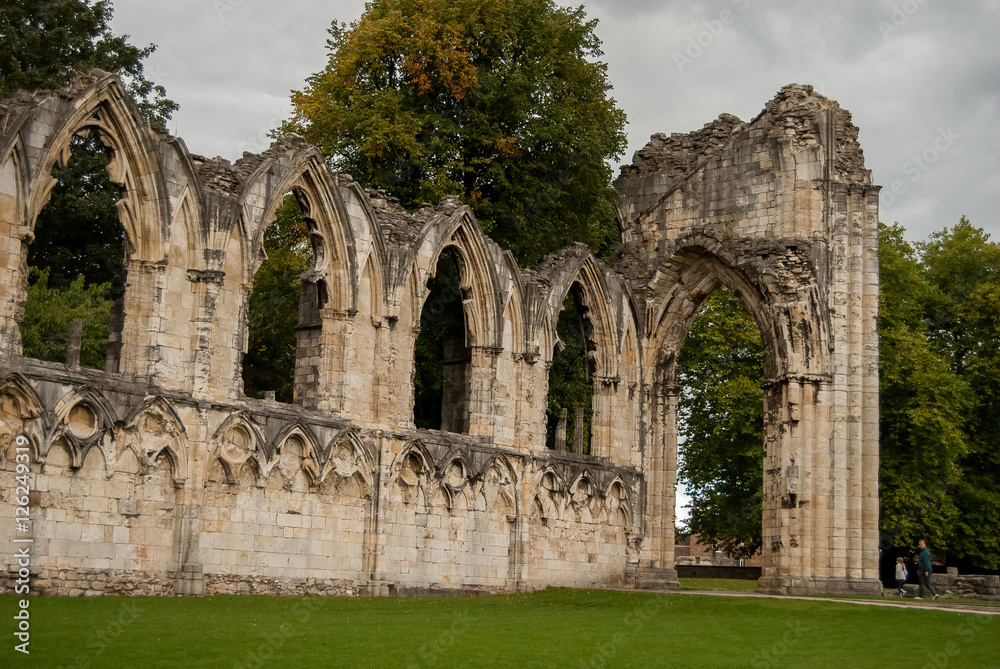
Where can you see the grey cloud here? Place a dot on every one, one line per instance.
(936, 68)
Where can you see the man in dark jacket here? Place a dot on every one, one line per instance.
(924, 570)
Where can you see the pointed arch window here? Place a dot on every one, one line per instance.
(442, 357)
(284, 302)
(77, 263)
(570, 401)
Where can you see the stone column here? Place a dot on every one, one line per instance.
(75, 340)
(319, 369)
(373, 542)
(308, 346)
(385, 394)
(456, 393)
(144, 290)
(530, 423)
(14, 239)
(482, 390)
(604, 415)
(207, 284)
(187, 528)
(656, 564)
(579, 423)
(375, 530)
(787, 504)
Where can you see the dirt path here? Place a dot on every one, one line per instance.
(909, 603)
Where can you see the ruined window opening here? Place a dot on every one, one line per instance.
(442, 358)
(570, 403)
(281, 305)
(77, 264)
(721, 425)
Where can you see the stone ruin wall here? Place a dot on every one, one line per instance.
(781, 211)
(159, 476)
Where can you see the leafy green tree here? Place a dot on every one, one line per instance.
(77, 233)
(923, 406)
(46, 42)
(48, 313)
(962, 266)
(721, 409)
(273, 311)
(501, 101)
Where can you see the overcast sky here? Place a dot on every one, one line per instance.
(921, 78)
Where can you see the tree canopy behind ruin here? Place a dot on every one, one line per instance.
(721, 418)
(78, 254)
(47, 42)
(503, 102)
(939, 372)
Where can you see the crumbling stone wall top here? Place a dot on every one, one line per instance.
(216, 174)
(679, 154)
(558, 259)
(397, 224)
(794, 113)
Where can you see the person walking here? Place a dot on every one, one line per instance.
(901, 575)
(924, 570)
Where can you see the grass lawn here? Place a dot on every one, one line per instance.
(552, 628)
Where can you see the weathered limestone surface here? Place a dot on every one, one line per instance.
(159, 476)
(785, 215)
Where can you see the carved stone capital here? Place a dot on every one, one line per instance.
(205, 275)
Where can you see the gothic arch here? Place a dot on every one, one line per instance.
(578, 266)
(500, 483)
(310, 461)
(39, 139)
(456, 471)
(513, 313)
(28, 405)
(346, 456)
(290, 165)
(412, 475)
(185, 234)
(83, 418)
(547, 494)
(153, 430)
(793, 322)
(20, 411)
(15, 179)
(135, 165)
(696, 274)
(373, 268)
(617, 500)
(481, 294)
(414, 453)
(237, 442)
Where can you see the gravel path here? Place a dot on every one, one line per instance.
(908, 603)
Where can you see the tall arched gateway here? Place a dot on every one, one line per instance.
(781, 211)
(196, 487)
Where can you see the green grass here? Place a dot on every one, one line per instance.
(738, 584)
(552, 628)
